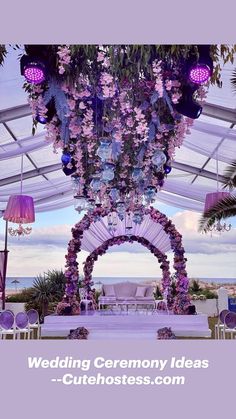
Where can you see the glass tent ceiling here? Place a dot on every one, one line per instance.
(212, 139)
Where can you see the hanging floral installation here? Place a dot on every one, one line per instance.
(181, 301)
(113, 111)
(117, 114)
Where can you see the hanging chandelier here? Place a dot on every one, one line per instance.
(20, 231)
(20, 210)
(220, 228)
(118, 125)
(211, 200)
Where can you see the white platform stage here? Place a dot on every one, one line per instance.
(127, 326)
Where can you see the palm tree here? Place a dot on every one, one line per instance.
(233, 80)
(226, 207)
(57, 280)
(42, 293)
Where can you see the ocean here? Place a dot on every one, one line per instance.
(26, 282)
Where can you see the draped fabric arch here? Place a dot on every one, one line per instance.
(159, 220)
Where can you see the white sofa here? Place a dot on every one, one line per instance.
(126, 293)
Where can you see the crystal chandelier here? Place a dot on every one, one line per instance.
(20, 231)
(220, 228)
(211, 200)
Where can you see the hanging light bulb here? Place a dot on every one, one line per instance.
(114, 195)
(159, 159)
(76, 186)
(80, 203)
(108, 172)
(138, 216)
(120, 207)
(150, 194)
(115, 220)
(96, 182)
(110, 222)
(137, 174)
(104, 150)
(106, 202)
(128, 222)
(91, 204)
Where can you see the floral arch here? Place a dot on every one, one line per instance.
(154, 216)
(118, 240)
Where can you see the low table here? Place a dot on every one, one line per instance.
(137, 303)
(107, 301)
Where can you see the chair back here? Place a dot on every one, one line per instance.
(6, 320)
(10, 311)
(21, 320)
(33, 316)
(223, 313)
(230, 320)
(83, 293)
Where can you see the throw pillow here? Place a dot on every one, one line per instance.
(140, 292)
(109, 290)
(149, 292)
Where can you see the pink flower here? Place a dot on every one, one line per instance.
(82, 105)
(100, 56)
(64, 58)
(71, 103)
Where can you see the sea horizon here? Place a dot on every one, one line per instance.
(27, 282)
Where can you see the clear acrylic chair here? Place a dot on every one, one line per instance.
(7, 327)
(84, 298)
(219, 327)
(22, 325)
(230, 325)
(34, 322)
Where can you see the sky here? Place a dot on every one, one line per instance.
(45, 247)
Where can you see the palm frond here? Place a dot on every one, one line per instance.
(233, 80)
(225, 208)
(42, 289)
(230, 174)
(3, 53)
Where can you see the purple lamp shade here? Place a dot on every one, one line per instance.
(20, 209)
(6, 320)
(213, 198)
(199, 74)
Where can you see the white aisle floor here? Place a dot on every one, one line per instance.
(127, 325)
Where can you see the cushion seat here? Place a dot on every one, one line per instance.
(145, 299)
(106, 298)
(126, 299)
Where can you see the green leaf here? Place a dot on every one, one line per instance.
(230, 174)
